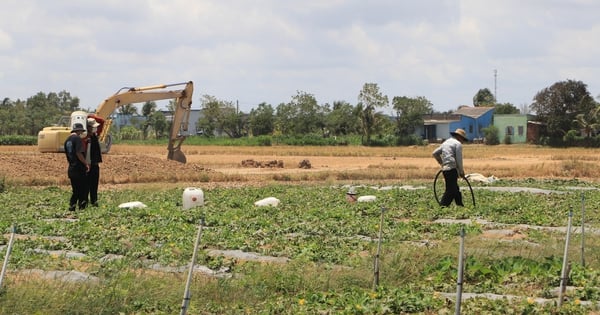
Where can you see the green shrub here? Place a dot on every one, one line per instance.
(491, 135)
(264, 141)
(18, 140)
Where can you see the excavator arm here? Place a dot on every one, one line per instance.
(179, 124)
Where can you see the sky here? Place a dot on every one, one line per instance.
(250, 52)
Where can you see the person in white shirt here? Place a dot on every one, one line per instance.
(449, 156)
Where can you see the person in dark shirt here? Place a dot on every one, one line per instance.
(78, 167)
(93, 157)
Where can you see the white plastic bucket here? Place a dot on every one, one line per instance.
(79, 117)
(192, 197)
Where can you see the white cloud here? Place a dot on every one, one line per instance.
(267, 50)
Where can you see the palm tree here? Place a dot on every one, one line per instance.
(588, 126)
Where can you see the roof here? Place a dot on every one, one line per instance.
(473, 112)
(433, 119)
(429, 122)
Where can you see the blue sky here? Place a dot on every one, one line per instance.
(267, 50)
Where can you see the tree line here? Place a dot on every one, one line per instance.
(566, 109)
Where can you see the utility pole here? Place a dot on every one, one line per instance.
(495, 89)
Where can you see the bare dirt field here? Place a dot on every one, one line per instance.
(222, 165)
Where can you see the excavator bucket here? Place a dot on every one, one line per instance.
(177, 156)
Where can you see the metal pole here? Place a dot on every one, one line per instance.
(186, 294)
(582, 229)
(8, 249)
(563, 275)
(459, 279)
(376, 268)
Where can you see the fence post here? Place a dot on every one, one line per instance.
(186, 294)
(563, 274)
(376, 266)
(8, 249)
(583, 229)
(459, 278)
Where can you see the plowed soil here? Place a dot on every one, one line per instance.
(221, 165)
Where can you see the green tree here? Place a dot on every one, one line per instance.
(234, 123)
(42, 110)
(484, 97)
(343, 119)
(6, 111)
(208, 121)
(262, 120)
(558, 106)
(221, 117)
(128, 109)
(66, 102)
(147, 110)
(284, 118)
(18, 116)
(310, 117)
(370, 99)
(159, 124)
(505, 108)
(302, 115)
(409, 113)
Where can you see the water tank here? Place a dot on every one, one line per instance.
(192, 197)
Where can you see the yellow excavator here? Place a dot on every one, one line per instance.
(51, 139)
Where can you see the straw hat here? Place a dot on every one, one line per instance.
(460, 133)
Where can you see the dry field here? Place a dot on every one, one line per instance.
(220, 165)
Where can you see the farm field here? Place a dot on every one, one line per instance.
(220, 165)
(315, 252)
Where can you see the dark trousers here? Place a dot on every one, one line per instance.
(452, 190)
(93, 178)
(79, 186)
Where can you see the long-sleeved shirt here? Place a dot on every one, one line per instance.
(449, 155)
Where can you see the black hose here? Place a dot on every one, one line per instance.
(435, 190)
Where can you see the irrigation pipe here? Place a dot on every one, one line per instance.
(8, 249)
(459, 278)
(583, 229)
(376, 265)
(186, 295)
(435, 190)
(563, 274)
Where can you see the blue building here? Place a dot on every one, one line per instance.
(472, 120)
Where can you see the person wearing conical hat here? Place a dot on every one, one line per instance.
(449, 156)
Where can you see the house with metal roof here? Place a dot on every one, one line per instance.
(472, 120)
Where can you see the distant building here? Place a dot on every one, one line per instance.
(437, 127)
(122, 120)
(192, 129)
(512, 128)
(534, 131)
